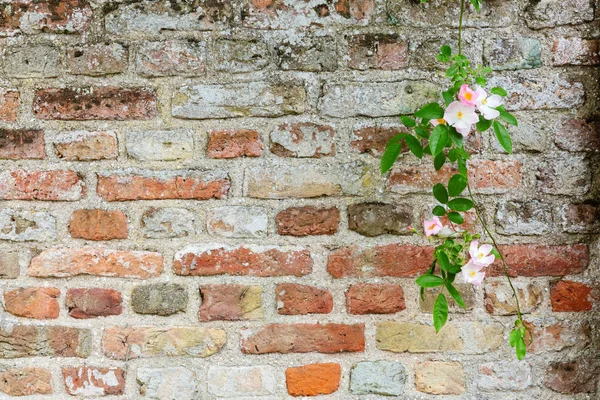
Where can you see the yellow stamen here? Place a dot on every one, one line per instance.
(459, 115)
(484, 101)
(472, 274)
(441, 121)
(468, 96)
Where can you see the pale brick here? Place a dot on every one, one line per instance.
(504, 376)
(235, 382)
(386, 378)
(468, 292)
(512, 53)
(564, 175)
(499, 297)
(576, 51)
(303, 139)
(159, 299)
(44, 341)
(32, 61)
(160, 145)
(162, 223)
(171, 57)
(552, 336)
(531, 217)
(86, 146)
(97, 59)
(578, 218)
(530, 136)
(551, 13)
(26, 225)
(26, 381)
(375, 219)
(240, 55)
(32, 17)
(311, 54)
(9, 264)
(93, 381)
(167, 383)
(381, 51)
(576, 134)
(237, 221)
(437, 377)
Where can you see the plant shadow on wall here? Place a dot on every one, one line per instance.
(441, 133)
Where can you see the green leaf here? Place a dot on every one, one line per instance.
(475, 4)
(448, 97)
(456, 185)
(481, 81)
(438, 139)
(514, 337)
(452, 70)
(460, 204)
(456, 217)
(440, 312)
(452, 155)
(440, 193)
(503, 136)
(446, 50)
(391, 153)
(439, 160)
(456, 137)
(508, 118)
(496, 253)
(424, 133)
(483, 124)
(521, 348)
(438, 211)
(462, 153)
(414, 145)
(499, 91)
(429, 281)
(408, 121)
(443, 260)
(430, 111)
(462, 166)
(455, 295)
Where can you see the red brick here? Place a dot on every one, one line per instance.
(38, 303)
(381, 51)
(28, 16)
(367, 298)
(303, 338)
(10, 101)
(313, 379)
(357, 9)
(571, 296)
(578, 135)
(26, 381)
(44, 341)
(309, 220)
(294, 299)
(96, 261)
(581, 217)
(303, 140)
(547, 337)
(57, 185)
(373, 139)
(397, 260)
(91, 303)
(98, 224)
(243, 260)
(160, 186)
(93, 381)
(21, 143)
(542, 260)
(234, 143)
(230, 302)
(576, 51)
(87, 146)
(571, 377)
(97, 103)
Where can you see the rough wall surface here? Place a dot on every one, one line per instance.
(191, 208)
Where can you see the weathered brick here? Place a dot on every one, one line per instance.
(531, 217)
(26, 381)
(159, 298)
(65, 262)
(21, 143)
(33, 302)
(234, 143)
(532, 134)
(504, 376)
(386, 378)
(581, 217)
(547, 336)
(127, 343)
(303, 338)
(303, 139)
(380, 51)
(160, 185)
(374, 99)
(439, 377)
(171, 57)
(484, 175)
(512, 53)
(93, 381)
(10, 102)
(578, 135)
(395, 260)
(238, 382)
(237, 221)
(468, 292)
(31, 61)
(26, 225)
(170, 382)
(160, 145)
(230, 303)
(159, 223)
(98, 224)
(56, 185)
(576, 51)
(571, 377)
(156, 17)
(551, 13)
(257, 99)
(253, 260)
(239, 55)
(83, 303)
(95, 103)
(295, 299)
(9, 264)
(86, 146)
(308, 220)
(499, 297)
(313, 379)
(373, 139)
(97, 59)
(308, 53)
(374, 219)
(30, 17)
(44, 341)
(571, 296)
(564, 175)
(373, 298)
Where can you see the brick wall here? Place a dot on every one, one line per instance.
(190, 203)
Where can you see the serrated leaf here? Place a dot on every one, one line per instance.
(456, 185)
(456, 217)
(424, 133)
(429, 281)
(455, 295)
(439, 160)
(503, 136)
(460, 204)
(443, 260)
(440, 312)
(440, 193)
(483, 124)
(414, 145)
(508, 118)
(499, 91)
(408, 121)
(438, 139)
(430, 111)
(391, 153)
(438, 211)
